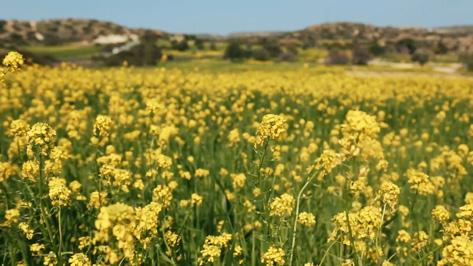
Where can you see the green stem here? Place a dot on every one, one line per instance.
(262, 159)
(381, 225)
(326, 252)
(253, 247)
(44, 215)
(294, 228)
(59, 252)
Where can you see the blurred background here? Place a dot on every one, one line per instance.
(397, 34)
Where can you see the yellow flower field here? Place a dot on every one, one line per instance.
(130, 166)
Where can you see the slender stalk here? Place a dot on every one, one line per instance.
(253, 249)
(262, 159)
(347, 217)
(59, 252)
(381, 226)
(294, 228)
(5, 192)
(43, 213)
(326, 252)
(350, 232)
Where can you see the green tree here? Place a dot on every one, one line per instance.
(234, 51)
(467, 60)
(420, 57)
(360, 55)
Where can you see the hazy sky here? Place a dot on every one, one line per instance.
(225, 16)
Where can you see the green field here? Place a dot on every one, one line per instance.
(67, 52)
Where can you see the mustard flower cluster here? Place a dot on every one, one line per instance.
(13, 61)
(419, 182)
(272, 127)
(273, 256)
(282, 206)
(212, 247)
(59, 193)
(306, 219)
(41, 137)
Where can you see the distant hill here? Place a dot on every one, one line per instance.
(453, 39)
(58, 31)
(94, 37)
(456, 39)
(456, 30)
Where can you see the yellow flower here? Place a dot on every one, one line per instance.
(306, 219)
(50, 259)
(26, 229)
(97, 199)
(272, 127)
(440, 214)
(7, 170)
(234, 137)
(37, 249)
(42, 137)
(79, 259)
(361, 123)
(363, 224)
(209, 253)
(212, 248)
(147, 217)
(163, 194)
(202, 172)
(403, 237)
(164, 161)
(11, 217)
(421, 240)
(282, 206)
(196, 199)
(328, 160)
(102, 126)
(389, 194)
(166, 133)
(420, 182)
(237, 251)
(13, 60)
(18, 128)
(238, 180)
(172, 239)
(59, 193)
(115, 223)
(458, 252)
(273, 256)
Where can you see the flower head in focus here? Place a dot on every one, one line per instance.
(13, 61)
(272, 127)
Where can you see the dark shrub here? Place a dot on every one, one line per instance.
(272, 47)
(336, 57)
(261, 54)
(288, 56)
(234, 51)
(180, 45)
(441, 48)
(199, 44)
(467, 60)
(360, 55)
(213, 46)
(408, 46)
(420, 57)
(377, 50)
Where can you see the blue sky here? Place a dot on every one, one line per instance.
(225, 16)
